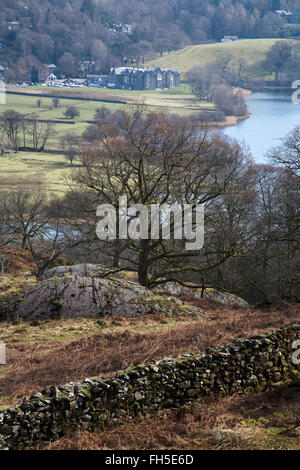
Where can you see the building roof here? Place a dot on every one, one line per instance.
(119, 70)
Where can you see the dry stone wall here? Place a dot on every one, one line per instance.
(250, 365)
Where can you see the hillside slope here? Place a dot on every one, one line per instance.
(253, 51)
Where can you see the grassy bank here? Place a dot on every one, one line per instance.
(30, 170)
(180, 100)
(253, 51)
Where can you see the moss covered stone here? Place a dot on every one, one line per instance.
(142, 390)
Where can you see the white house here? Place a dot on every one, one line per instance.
(229, 38)
(51, 78)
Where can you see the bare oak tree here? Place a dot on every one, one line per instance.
(153, 160)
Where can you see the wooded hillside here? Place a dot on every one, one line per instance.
(34, 33)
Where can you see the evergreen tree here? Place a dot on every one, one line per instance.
(88, 8)
(35, 75)
(275, 5)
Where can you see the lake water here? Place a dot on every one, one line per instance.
(273, 116)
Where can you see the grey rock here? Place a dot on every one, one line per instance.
(75, 296)
(84, 270)
(225, 298)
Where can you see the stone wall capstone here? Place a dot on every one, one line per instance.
(249, 365)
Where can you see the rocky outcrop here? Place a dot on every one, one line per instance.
(173, 288)
(74, 296)
(85, 270)
(83, 291)
(225, 298)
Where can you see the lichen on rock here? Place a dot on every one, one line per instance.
(249, 365)
(225, 298)
(74, 296)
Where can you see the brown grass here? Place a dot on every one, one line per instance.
(34, 366)
(69, 93)
(20, 261)
(260, 421)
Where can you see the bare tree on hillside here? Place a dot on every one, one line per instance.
(38, 225)
(27, 218)
(278, 55)
(205, 79)
(230, 101)
(6, 230)
(11, 123)
(69, 144)
(4, 141)
(157, 161)
(288, 154)
(39, 133)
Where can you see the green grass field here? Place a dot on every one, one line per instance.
(180, 101)
(253, 51)
(31, 170)
(28, 105)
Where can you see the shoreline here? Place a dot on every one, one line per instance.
(245, 92)
(231, 121)
(114, 99)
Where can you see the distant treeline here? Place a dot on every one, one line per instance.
(44, 32)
